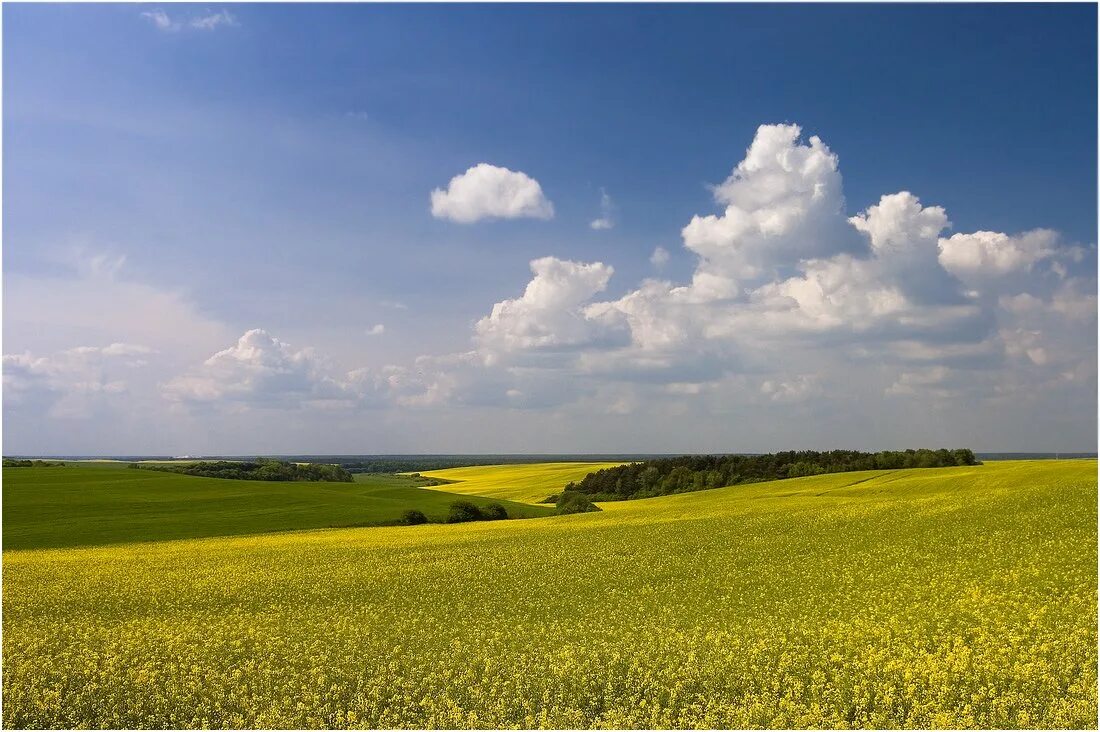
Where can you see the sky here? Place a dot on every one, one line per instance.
(338, 229)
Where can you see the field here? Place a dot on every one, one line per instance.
(106, 503)
(954, 597)
(525, 483)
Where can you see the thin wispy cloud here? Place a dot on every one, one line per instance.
(659, 258)
(606, 219)
(169, 24)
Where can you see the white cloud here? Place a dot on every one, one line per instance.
(259, 370)
(783, 271)
(211, 21)
(793, 301)
(490, 192)
(793, 390)
(784, 203)
(72, 383)
(933, 380)
(659, 258)
(160, 19)
(550, 315)
(606, 219)
(985, 254)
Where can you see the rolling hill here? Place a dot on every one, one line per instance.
(954, 597)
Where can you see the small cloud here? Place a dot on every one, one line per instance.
(659, 258)
(160, 19)
(376, 330)
(490, 192)
(394, 304)
(607, 210)
(89, 262)
(798, 389)
(209, 22)
(358, 115)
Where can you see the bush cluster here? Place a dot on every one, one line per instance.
(699, 472)
(463, 511)
(574, 502)
(413, 517)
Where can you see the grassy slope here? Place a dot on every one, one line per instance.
(103, 504)
(955, 597)
(529, 483)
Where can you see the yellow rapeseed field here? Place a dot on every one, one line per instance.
(530, 483)
(955, 597)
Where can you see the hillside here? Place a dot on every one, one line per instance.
(530, 483)
(953, 597)
(106, 503)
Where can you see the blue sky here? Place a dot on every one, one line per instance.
(270, 166)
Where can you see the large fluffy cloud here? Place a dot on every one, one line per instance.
(791, 296)
(796, 307)
(490, 192)
(987, 254)
(784, 202)
(784, 272)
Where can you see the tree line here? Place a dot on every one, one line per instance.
(15, 463)
(258, 469)
(700, 472)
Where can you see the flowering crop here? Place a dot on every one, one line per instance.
(529, 483)
(956, 597)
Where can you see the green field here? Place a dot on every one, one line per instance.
(954, 597)
(106, 503)
(525, 483)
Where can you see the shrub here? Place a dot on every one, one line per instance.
(575, 502)
(494, 512)
(462, 511)
(413, 517)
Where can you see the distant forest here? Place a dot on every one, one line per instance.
(259, 469)
(700, 472)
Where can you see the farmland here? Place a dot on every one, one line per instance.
(525, 483)
(953, 597)
(82, 504)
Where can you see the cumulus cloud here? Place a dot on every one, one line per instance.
(784, 202)
(550, 315)
(607, 209)
(785, 270)
(376, 330)
(491, 192)
(986, 254)
(793, 300)
(259, 370)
